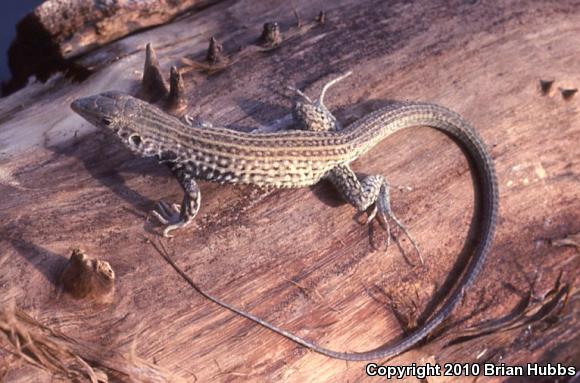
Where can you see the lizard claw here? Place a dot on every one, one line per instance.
(384, 213)
(188, 120)
(385, 224)
(196, 122)
(404, 229)
(172, 227)
(169, 215)
(372, 214)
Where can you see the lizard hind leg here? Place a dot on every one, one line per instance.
(372, 192)
(177, 216)
(313, 115)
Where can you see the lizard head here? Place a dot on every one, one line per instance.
(121, 114)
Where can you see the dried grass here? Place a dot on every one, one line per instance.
(24, 339)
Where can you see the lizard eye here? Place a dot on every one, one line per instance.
(106, 121)
(135, 139)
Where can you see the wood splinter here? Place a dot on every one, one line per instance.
(568, 93)
(215, 54)
(153, 85)
(86, 278)
(154, 88)
(176, 103)
(321, 18)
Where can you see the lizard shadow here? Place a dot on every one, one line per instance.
(104, 158)
(263, 113)
(465, 255)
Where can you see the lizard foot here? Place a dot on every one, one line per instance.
(196, 122)
(170, 216)
(381, 209)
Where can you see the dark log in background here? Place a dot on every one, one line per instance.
(297, 257)
(59, 30)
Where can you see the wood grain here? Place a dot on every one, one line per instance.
(297, 257)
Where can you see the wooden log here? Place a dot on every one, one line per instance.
(297, 257)
(58, 30)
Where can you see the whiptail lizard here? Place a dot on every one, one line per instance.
(296, 158)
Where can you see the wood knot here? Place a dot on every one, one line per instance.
(86, 278)
(215, 55)
(567, 94)
(545, 86)
(271, 35)
(321, 18)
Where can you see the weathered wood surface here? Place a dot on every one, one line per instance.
(297, 257)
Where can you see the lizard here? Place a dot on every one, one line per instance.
(319, 149)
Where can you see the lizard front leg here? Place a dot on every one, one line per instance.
(177, 216)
